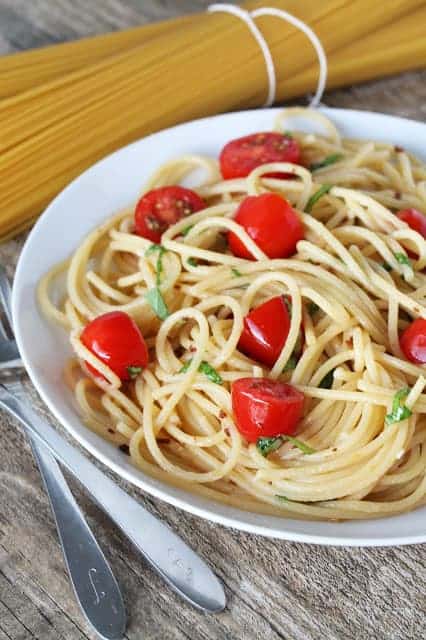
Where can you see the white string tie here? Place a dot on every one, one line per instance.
(248, 18)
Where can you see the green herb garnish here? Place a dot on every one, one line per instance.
(304, 448)
(288, 134)
(154, 248)
(331, 159)
(192, 262)
(399, 410)
(294, 358)
(325, 188)
(312, 308)
(283, 498)
(290, 364)
(386, 266)
(210, 372)
(403, 259)
(327, 381)
(205, 368)
(186, 366)
(133, 371)
(186, 230)
(265, 446)
(236, 273)
(287, 302)
(157, 304)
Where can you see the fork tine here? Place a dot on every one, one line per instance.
(9, 354)
(6, 300)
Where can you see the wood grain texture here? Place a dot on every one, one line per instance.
(276, 590)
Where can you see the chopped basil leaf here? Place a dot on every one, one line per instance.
(325, 188)
(297, 352)
(134, 371)
(386, 266)
(210, 372)
(312, 308)
(192, 262)
(283, 498)
(154, 248)
(331, 159)
(157, 304)
(205, 368)
(288, 134)
(327, 381)
(304, 448)
(159, 266)
(236, 273)
(186, 366)
(288, 304)
(186, 230)
(267, 445)
(402, 259)
(399, 410)
(290, 364)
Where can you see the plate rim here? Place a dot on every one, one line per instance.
(195, 504)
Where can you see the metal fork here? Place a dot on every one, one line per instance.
(95, 587)
(167, 553)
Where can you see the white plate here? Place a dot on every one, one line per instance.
(113, 183)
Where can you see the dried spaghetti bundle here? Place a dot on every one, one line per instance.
(195, 67)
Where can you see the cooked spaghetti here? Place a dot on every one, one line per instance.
(354, 285)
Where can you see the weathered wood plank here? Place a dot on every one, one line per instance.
(276, 590)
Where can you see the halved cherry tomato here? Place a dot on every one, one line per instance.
(265, 407)
(271, 222)
(415, 219)
(158, 209)
(413, 341)
(239, 157)
(116, 340)
(265, 331)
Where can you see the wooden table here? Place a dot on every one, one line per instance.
(275, 589)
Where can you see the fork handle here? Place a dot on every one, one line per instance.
(93, 582)
(176, 562)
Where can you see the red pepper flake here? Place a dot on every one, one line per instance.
(125, 449)
(222, 414)
(397, 195)
(192, 348)
(111, 431)
(226, 430)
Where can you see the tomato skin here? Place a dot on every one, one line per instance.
(115, 339)
(265, 331)
(413, 341)
(265, 408)
(160, 208)
(415, 219)
(239, 157)
(271, 222)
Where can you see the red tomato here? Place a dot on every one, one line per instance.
(116, 340)
(271, 222)
(265, 331)
(413, 341)
(239, 157)
(415, 219)
(158, 209)
(265, 407)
